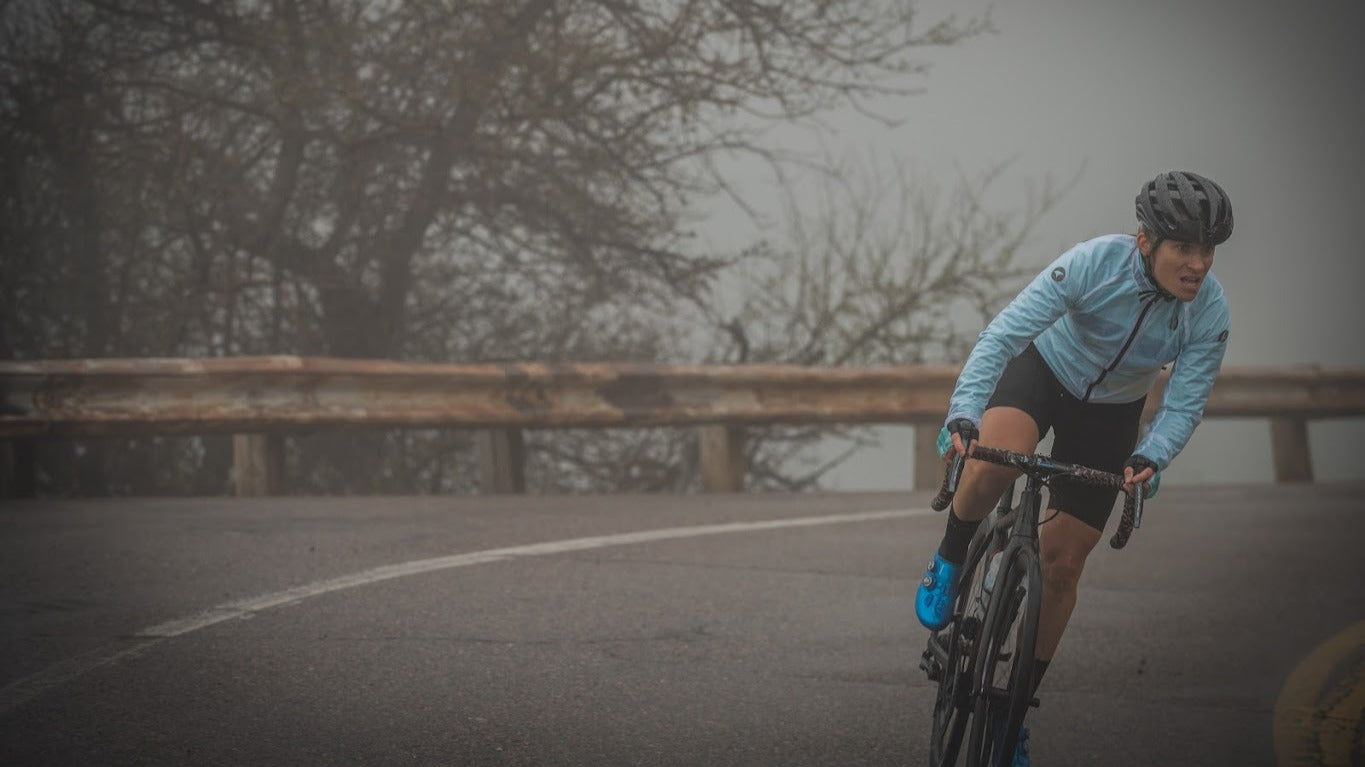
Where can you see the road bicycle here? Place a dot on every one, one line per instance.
(983, 659)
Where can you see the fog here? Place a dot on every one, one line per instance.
(438, 197)
(1263, 98)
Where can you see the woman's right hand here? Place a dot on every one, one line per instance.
(963, 433)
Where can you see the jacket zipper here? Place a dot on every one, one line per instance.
(1147, 307)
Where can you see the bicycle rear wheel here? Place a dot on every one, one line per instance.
(952, 705)
(954, 650)
(1003, 675)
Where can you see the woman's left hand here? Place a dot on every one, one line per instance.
(1136, 471)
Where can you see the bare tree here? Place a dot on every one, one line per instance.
(882, 267)
(461, 181)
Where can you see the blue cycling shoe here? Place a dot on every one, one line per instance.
(937, 593)
(1021, 750)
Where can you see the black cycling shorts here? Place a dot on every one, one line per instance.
(1101, 436)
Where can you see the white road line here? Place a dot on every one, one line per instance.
(19, 692)
(58, 674)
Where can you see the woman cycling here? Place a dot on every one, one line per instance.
(1077, 352)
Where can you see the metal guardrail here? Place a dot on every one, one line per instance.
(112, 396)
(260, 398)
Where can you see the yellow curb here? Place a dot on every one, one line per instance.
(1320, 712)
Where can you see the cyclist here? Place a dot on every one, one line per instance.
(1077, 351)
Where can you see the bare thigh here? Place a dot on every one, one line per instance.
(983, 483)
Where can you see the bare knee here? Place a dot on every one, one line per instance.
(1062, 570)
(1064, 542)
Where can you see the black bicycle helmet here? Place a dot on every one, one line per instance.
(1185, 206)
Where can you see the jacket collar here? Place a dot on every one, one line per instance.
(1146, 286)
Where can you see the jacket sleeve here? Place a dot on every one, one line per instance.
(1182, 405)
(1031, 312)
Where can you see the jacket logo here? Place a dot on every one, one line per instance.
(1058, 274)
(1222, 336)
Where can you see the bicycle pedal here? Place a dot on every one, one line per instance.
(930, 666)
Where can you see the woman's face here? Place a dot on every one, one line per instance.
(1180, 267)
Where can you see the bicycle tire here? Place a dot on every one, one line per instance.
(952, 701)
(951, 707)
(1009, 636)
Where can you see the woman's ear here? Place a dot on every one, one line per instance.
(1144, 242)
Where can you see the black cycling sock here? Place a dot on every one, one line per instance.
(956, 538)
(1039, 666)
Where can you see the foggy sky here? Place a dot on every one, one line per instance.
(1263, 98)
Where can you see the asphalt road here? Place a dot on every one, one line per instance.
(698, 630)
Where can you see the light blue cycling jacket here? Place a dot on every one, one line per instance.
(1106, 331)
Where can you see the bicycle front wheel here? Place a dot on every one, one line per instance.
(1003, 677)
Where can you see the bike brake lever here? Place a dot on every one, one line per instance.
(955, 472)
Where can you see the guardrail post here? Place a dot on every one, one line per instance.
(1289, 446)
(502, 461)
(928, 466)
(722, 458)
(258, 463)
(18, 468)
